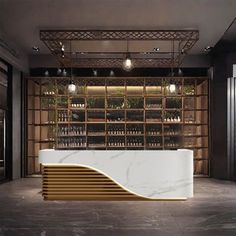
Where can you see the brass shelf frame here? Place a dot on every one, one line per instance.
(39, 115)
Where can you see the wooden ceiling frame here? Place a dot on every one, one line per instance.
(54, 39)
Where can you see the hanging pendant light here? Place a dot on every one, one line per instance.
(172, 85)
(71, 85)
(172, 88)
(127, 64)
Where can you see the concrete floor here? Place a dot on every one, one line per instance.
(211, 212)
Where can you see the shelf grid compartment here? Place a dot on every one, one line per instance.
(96, 116)
(153, 130)
(116, 141)
(201, 86)
(134, 129)
(72, 130)
(189, 103)
(135, 87)
(154, 142)
(195, 116)
(201, 154)
(153, 103)
(195, 130)
(189, 87)
(71, 142)
(172, 116)
(96, 87)
(61, 102)
(172, 86)
(172, 142)
(48, 102)
(135, 141)
(153, 116)
(77, 103)
(173, 103)
(143, 113)
(96, 102)
(134, 116)
(134, 102)
(153, 87)
(115, 129)
(116, 116)
(115, 87)
(96, 129)
(77, 116)
(116, 103)
(173, 130)
(63, 116)
(96, 142)
(195, 142)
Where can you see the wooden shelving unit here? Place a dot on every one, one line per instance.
(119, 113)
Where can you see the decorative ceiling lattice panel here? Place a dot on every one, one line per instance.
(56, 39)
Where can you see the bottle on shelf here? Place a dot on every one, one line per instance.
(62, 116)
(71, 142)
(77, 105)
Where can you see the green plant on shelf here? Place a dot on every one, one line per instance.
(91, 102)
(61, 89)
(62, 102)
(189, 89)
(134, 103)
(49, 89)
(48, 102)
(81, 89)
(116, 104)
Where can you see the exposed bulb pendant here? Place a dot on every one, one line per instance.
(127, 63)
(71, 87)
(172, 88)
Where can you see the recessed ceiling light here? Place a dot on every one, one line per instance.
(207, 48)
(156, 49)
(112, 73)
(95, 72)
(36, 48)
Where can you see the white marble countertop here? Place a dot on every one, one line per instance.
(153, 174)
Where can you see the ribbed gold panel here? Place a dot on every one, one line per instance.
(81, 183)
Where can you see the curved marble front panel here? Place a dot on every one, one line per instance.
(151, 174)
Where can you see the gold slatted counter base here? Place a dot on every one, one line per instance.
(81, 183)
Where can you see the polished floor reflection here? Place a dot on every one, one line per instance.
(211, 212)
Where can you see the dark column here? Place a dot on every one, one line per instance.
(222, 157)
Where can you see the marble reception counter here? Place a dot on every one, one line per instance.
(111, 174)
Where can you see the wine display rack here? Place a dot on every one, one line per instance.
(118, 113)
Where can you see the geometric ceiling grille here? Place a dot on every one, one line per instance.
(176, 44)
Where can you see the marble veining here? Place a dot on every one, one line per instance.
(152, 174)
